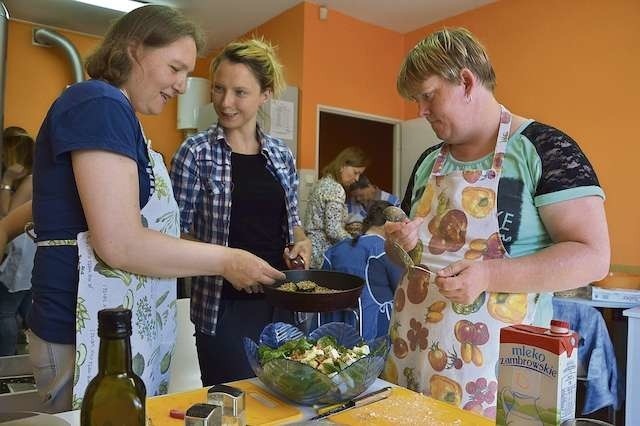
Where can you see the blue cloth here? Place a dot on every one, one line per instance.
(595, 354)
(202, 184)
(15, 290)
(11, 304)
(15, 270)
(368, 260)
(88, 115)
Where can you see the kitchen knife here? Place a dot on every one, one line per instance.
(356, 402)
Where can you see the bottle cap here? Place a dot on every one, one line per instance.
(114, 323)
(559, 327)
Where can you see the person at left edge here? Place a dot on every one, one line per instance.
(16, 265)
(106, 221)
(238, 186)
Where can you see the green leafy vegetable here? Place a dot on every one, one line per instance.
(325, 355)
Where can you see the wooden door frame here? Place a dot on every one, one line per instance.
(365, 116)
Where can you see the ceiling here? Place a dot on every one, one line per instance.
(224, 20)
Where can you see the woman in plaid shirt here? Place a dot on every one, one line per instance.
(238, 186)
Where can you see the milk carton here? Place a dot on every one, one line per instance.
(537, 375)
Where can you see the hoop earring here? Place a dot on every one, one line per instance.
(468, 99)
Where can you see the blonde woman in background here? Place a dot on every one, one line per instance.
(16, 186)
(238, 186)
(326, 213)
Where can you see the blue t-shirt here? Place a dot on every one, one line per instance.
(88, 115)
(368, 260)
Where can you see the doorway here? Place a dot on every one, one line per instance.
(338, 129)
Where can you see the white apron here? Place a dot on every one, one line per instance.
(446, 350)
(152, 300)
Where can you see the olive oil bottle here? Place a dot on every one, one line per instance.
(116, 395)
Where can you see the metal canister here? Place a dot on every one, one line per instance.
(203, 415)
(231, 399)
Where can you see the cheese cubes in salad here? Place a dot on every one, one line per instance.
(325, 355)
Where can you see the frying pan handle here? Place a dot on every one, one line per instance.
(297, 263)
(356, 314)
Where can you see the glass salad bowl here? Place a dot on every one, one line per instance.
(304, 384)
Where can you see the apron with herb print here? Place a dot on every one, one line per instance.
(447, 350)
(152, 300)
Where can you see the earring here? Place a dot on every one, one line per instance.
(468, 99)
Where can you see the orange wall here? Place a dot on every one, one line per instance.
(340, 62)
(347, 64)
(35, 77)
(286, 32)
(575, 65)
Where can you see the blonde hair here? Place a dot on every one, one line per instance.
(260, 57)
(350, 156)
(445, 53)
(18, 148)
(151, 26)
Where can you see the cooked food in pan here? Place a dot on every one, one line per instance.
(306, 287)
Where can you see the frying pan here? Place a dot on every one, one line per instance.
(316, 302)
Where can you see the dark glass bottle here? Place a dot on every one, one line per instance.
(116, 395)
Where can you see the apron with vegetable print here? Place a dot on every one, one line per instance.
(444, 349)
(152, 300)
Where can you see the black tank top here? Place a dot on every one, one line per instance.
(258, 215)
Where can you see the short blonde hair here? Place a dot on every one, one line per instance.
(445, 53)
(350, 156)
(260, 57)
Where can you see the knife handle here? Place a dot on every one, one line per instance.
(372, 397)
(328, 408)
(356, 402)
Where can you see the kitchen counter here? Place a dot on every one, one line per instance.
(402, 407)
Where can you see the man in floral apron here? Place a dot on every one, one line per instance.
(505, 211)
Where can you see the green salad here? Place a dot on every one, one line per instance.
(325, 355)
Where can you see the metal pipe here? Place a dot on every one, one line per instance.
(4, 28)
(52, 38)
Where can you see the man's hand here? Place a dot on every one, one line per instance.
(301, 248)
(463, 281)
(404, 233)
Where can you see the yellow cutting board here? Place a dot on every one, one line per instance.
(262, 408)
(405, 407)
(158, 407)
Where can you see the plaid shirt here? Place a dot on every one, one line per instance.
(201, 178)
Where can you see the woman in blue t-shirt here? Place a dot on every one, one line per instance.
(106, 221)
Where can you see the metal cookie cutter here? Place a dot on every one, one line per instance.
(232, 401)
(203, 415)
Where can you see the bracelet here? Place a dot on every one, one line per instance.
(6, 187)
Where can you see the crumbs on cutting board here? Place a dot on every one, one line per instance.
(409, 411)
